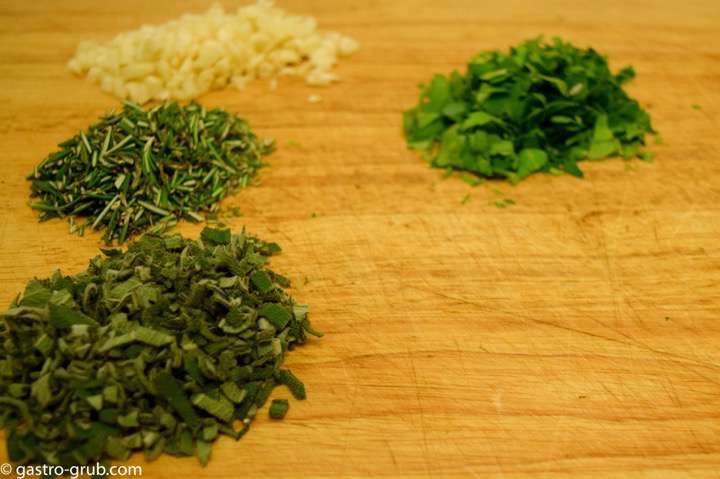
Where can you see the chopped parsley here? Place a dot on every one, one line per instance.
(541, 107)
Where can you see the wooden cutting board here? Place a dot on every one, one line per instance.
(574, 334)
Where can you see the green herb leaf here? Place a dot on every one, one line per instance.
(603, 141)
(221, 408)
(530, 160)
(216, 236)
(36, 295)
(277, 315)
(262, 281)
(278, 408)
(296, 387)
(64, 317)
(170, 390)
(204, 450)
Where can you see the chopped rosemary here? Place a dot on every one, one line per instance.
(142, 170)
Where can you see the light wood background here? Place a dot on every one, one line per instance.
(575, 334)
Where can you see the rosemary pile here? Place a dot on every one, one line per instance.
(140, 170)
(158, 349)
(541, 107)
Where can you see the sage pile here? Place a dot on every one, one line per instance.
(538, 108)
(158, 349)
(144, 169)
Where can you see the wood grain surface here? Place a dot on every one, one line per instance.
(574, 334)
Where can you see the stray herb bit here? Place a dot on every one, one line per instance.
(471, 180)
(278, 408)
(538, 108)
(695, 106)
(465, 199)
(160, 348)
(143, 170)
(296, 387)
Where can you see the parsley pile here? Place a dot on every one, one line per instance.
(539, 107)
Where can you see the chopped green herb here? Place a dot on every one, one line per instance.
(465, 198)
(296, 387)
(171, 390)
(695, 106)
(471, 179)
(216, 236)
(262, 281)
(161, 348)
(538, 108)
(204, 449)
(278, 408)
(277, 314)
(143, 170)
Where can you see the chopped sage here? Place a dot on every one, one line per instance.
(143, 170)
(161, 349)
(296, 387)
(278, 408)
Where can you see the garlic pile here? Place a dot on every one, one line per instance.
(187, 57)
